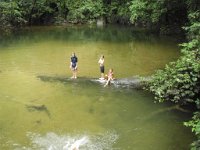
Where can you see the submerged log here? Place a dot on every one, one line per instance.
(40, 108)
(133, 82)
(164, 110)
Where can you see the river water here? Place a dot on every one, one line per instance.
(41, 108)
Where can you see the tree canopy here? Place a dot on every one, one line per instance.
(158, 15)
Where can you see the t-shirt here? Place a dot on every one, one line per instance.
(101, 61)
(74, 60)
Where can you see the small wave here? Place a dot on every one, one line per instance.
(52, 141)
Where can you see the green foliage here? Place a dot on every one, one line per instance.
(195, 125)
(159, 14)
(38, 11)
(15, 13)
(82, 11)
(118, 12)
(10, 15)
(148, 11)
(179, 82)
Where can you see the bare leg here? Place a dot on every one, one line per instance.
(75, 73)
(72, 74)
(102, 75)
(108, 82)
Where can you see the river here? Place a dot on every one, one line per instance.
(57, 113)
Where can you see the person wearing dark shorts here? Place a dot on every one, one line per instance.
(102, 69)
(74, 65)
(101, 64)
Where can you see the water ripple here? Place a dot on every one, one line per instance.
(52, 141)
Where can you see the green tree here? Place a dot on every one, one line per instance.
(83, 11)
(10, 15)
(180, 81)
(166, 16)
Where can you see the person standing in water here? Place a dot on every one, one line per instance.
(109, 77)
(101, 64)
(74, 65)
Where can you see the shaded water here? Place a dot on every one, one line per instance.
(59, 114)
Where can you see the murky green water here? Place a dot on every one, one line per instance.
(59, 114)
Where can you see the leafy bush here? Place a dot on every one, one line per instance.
(195, 125)
(83, 11)
(179, 82)
(159, 14)
(118, 12)
(10, 15)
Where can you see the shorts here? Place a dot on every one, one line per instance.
(102, 69)
(74, 67)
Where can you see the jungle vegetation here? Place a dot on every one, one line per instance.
(178, 82)
(164, 16)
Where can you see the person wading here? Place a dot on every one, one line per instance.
(74, 65)
(101, 64)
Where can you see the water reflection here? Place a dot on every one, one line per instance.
(83, 34)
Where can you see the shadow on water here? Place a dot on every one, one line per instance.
(130, 83)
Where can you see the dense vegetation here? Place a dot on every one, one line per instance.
(179, 82)
(156, 15)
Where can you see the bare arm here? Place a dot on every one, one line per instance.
(70, 66)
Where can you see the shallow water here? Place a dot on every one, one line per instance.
(64, 114)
